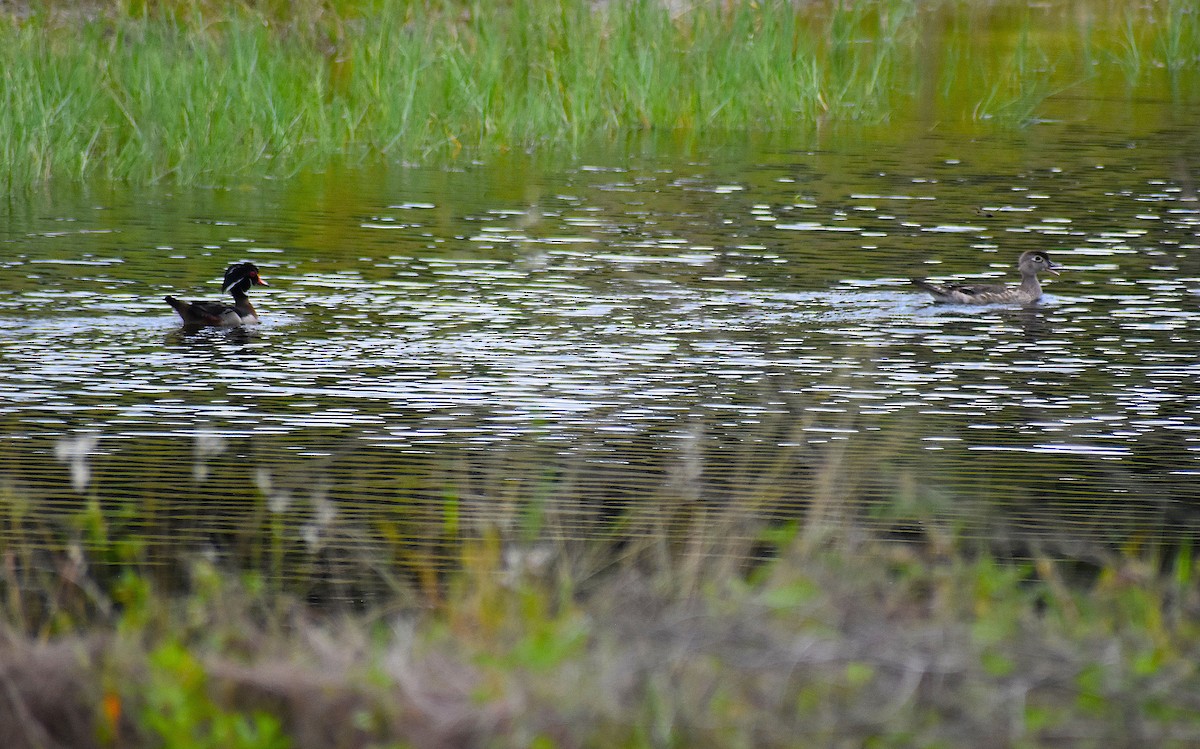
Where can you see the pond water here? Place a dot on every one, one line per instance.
(605, 339)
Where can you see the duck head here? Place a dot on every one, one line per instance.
(240, 277)
(1036, 261)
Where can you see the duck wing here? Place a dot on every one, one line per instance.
(963, 293)
(979, 290)
(202, 313)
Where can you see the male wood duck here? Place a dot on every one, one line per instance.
(239, 277)
(1028, 292)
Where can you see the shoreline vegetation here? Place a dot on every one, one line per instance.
(190, 90)
(686, 620)
(534, 645)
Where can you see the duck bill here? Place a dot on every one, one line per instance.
(259, 282)
(1054, 268)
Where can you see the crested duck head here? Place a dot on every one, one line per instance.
(239, 277)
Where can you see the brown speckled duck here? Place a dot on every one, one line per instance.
(239, 277)
(1028, 292)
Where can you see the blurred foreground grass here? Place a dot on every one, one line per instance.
(838, 640)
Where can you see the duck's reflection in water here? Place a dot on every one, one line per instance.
(1033, 320)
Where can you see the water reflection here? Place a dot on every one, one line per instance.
(618, 341)
(209, 337)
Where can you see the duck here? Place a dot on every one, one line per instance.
(239, 277)
(1028, 291)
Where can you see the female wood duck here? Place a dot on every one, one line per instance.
(1028, 292)
(239, 277)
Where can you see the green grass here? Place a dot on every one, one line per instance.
(189, 91)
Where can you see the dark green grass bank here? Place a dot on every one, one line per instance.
(191, 90)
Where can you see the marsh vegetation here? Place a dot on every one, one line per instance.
(190, 91)
(541, 638)
(649, 446)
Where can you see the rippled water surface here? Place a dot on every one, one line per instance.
(621, 334)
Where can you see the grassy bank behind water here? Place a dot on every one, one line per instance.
(189, 91)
